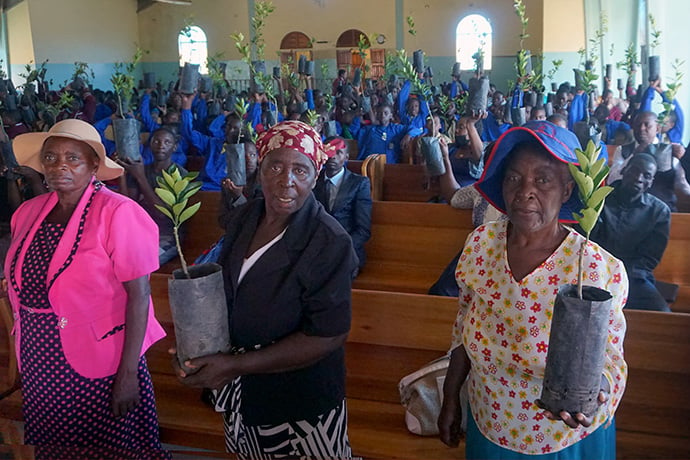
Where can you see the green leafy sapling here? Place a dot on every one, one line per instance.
(123, 80)
(629, 63)
(411, 28)
(589, 176)
(422, 89)
(671, 91)
(83, 71)
(312, 118)
(175, 191)
(655, 34)
(523, 55)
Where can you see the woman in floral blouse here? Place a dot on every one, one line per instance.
(509, 274)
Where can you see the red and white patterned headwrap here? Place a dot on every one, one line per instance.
(298, 136)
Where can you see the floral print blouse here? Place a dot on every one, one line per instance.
(504, 325)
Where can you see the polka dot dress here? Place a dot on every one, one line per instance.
(66, 414)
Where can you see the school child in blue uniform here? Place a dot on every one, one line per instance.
(383, 137)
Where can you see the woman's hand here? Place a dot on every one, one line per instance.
(580, 418)
(449, 421)
(213, 371)
(125, 392)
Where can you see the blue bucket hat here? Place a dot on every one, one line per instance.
(558, 141)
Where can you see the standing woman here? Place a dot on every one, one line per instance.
(508, 274)
(77, 272)
(288, 268)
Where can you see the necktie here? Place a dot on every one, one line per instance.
(330, 194)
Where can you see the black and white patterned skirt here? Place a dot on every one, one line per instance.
(325, 437)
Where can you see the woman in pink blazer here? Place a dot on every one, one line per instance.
(77, 272)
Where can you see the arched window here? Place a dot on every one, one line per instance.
(295, 40)
(472, 34)
(292, 46)
(192, 46)
(350, 58)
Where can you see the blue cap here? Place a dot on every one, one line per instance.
(558, 141)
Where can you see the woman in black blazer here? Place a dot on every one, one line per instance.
(288, 269)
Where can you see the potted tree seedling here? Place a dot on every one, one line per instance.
(234, 153)
(479, 86)
(671, 91)
(576, 353)
(523, 67)
(81, 75)
(261, 82)
(429, 145)
(629, 64)
(196, 293)
(126, 129)
(654, 68)
(216, 73)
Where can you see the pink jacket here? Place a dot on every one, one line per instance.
(119, 243)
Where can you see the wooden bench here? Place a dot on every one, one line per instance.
(377, 356)
(402, 182)
(394, 334)
(411, 244)
(675, 264)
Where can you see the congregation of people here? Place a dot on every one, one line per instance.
(295, 238)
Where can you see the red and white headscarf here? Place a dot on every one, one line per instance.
(298, 136)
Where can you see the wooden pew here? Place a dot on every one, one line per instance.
(394, 334)
(403, 182)
(675, 264)
(411, 244)
(376, 356)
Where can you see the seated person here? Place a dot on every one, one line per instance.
(346, 196)
(412, 111)
(611, 130)
(211, 147)
(458, 197)
(384, 138)
(634, 226)
(233, 196)
(139, 183)
(538, 113)
(13, 124)
(171, 117)
(466, 153)
(670, 176)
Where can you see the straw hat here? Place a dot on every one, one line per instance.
(27, 147)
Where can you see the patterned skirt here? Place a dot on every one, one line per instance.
(70, 416)
(325, 437)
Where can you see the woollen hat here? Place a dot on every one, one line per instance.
(559, 142)
(27, 147)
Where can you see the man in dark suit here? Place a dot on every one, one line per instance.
(346, 196)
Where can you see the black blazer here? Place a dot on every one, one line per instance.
(301, 283)
(352, 208)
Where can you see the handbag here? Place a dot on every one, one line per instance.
(421, 393)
